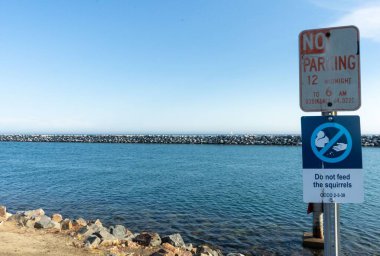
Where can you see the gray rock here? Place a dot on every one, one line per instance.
(147, 239)
(235, 254)
(46, 222)
(174, 239)
(118, 231)
(92, 241)
(88, 230)
(104, 234)
(106, 238)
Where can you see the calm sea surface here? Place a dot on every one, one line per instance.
(241, 198)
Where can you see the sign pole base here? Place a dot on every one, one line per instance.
(332, 228)
(312, 242)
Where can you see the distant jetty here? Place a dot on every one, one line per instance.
(274, 140)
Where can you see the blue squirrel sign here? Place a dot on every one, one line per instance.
(332, 159)
(331, 142)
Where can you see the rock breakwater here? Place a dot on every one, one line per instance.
(290, 140)
(273, 140)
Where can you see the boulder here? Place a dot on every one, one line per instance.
(66, 224)
(46, 222)
(206, 250)
(174, 239)
(92, 241)
(148, 239)
(56, 217)
(106, 238)
(120, 232)
(88, 230)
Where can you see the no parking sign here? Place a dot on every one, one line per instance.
(332, 159)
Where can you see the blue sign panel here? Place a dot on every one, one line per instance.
(331, 142)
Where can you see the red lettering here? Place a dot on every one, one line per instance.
(313, 41)
(343, 93)
(342, 63)
(313, 65)
(351, 62)
(321, 63)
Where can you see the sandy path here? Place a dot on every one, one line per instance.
(23, 241)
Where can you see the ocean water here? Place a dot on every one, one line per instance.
(241, 198)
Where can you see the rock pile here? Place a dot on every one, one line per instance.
(290, 140)
(371, 141)
(278, 140)
(114, 240)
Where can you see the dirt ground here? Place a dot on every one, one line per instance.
(15, 240)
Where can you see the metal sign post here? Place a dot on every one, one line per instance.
(331, 221)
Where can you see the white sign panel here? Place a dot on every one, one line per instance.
(333, 186)
(329, 69)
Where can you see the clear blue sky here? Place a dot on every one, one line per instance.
(199, 66)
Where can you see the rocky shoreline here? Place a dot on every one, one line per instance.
(115, 240)
(274, 140)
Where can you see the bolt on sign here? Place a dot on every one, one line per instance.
(329, 64)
